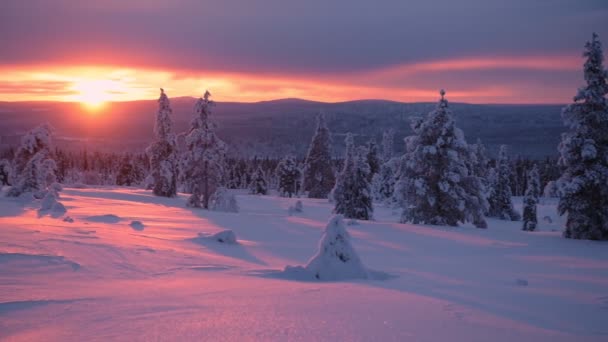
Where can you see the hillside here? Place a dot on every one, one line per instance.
(284, 126)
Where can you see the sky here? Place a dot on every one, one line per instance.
(480, 51)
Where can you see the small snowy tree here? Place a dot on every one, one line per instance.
(223, 200)
(352, 193)
(258, 184)
(501, 204)
(289, 175)
(318, 172)
(437, 180)
(202, 165)
(373, 161)
(531, 199)
(34, 169)
(387, 145)
(163, 152)
(336, 258)
(584, 153)
(383, 183)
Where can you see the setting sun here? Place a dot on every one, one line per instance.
(93, 94)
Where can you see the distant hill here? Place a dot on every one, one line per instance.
(283, 126)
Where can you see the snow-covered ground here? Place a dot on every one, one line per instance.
(105, 276)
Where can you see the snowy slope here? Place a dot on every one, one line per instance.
(102, 277)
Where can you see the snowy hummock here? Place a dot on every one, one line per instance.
(225, 236)
(89, 281)
(336, 258)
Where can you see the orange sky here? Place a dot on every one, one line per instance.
(406, 82)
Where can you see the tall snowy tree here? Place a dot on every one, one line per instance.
(203, 162)
(163, 152)
(34, 168)
(501, 204)
(437, 180)
(584, 153)
(289, 175)
(372, 159)
(387, 145)
(319, 176)
(352, 193)
(531, 198)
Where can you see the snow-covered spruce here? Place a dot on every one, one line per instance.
(480, 163)
(203, 163)
(387, 145)
(383, 183)
(319, 176)
(162, 153)
(437, 181)
(34, 169)
(584, 153)
(288, 175)
(351, 194)
(223, 200)
(336, 258)
(501, 205)
(531, 199)
(372, 159)
(258, 185)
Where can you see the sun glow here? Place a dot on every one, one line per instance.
(93, 94)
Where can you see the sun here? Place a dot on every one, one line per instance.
(93, 94)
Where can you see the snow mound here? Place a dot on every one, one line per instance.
(336, 258)
(108, 218)
(225, 236)
(222, 200)
(50, 205)
(137, 225)
(298, 207)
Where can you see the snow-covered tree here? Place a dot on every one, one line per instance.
(258, 185)
(531, 198)
(501, 204)
(437, 180)
(203, 163)
(128, 173)
(383, 183)
(289, 175)
(34, 169)
(387, 145)
(5, 172)
(352, 193)
(336, 258)
(584, 153)
(373, 160)
(163, 152)
(480, 162)
(319, 176)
